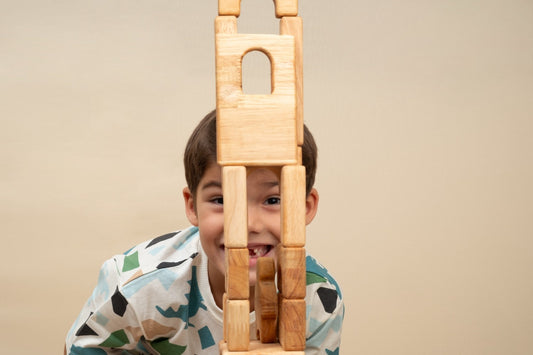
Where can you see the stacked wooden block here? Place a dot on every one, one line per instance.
(266, 131)
(262, 130)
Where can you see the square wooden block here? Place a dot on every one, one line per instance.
(237, 274)
(292, 325)
(229, 7)
(291, 272)
(286, 8)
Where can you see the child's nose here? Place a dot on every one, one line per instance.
(255, 222)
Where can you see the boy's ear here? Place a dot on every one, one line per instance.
(190, 211)
(311, 206)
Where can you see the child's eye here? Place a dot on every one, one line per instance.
(273, 201)
(218, 200)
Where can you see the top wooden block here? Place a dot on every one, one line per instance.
(286, 8)
(229, 7)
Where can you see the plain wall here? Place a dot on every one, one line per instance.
(422, 110)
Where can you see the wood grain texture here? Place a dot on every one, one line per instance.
(293, 206)
(291, 272)
(225, 24)
(238, 324)
(235, 207)
(292, 324)
(237, 276)
(294, 26)
(266, 301)
(224, 318)
(257, 348)
(229, 7)
(286, 7)
(255, 129)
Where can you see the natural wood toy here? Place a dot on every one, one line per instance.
(266, 131)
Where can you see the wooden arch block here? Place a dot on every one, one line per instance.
(255, 130)
(229, 7)
(286, 8)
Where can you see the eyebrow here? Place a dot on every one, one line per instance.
(270, 183)
(212, 183)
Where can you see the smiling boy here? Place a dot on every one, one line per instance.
(164, 296)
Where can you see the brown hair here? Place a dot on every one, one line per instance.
(201, 151)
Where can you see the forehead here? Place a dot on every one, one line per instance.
(255, 175)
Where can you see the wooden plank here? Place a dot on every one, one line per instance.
(293, 206)
(294, 26)
(257, 348)
(235, 207)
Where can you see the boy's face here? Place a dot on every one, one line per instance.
(206, 212)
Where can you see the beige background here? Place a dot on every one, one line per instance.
(423, 112)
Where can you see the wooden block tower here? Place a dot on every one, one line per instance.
(265, 131)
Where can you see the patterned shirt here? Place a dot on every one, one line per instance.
(156, 299)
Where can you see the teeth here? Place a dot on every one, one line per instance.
(259, 250)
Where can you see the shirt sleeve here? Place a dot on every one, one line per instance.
(106, 324)
(325, 311)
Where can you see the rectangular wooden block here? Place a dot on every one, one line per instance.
(293, 206)
(266, 301)
(238, 325)
(292, 324)
(291, 272)
(235, 207)
(229, 7)
(237, 275)
(256, 348)
(294, 26)
(225, 24)
(255, 129)
(286, 8)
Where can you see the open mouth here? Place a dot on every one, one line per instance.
(256, 251)
(259, 250)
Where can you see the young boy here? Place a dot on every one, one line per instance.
(164, 296)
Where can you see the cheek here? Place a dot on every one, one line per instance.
(275, 225)
(211, 223)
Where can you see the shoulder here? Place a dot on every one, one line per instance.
(318, 275)
(325, 307)
(166, 251)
